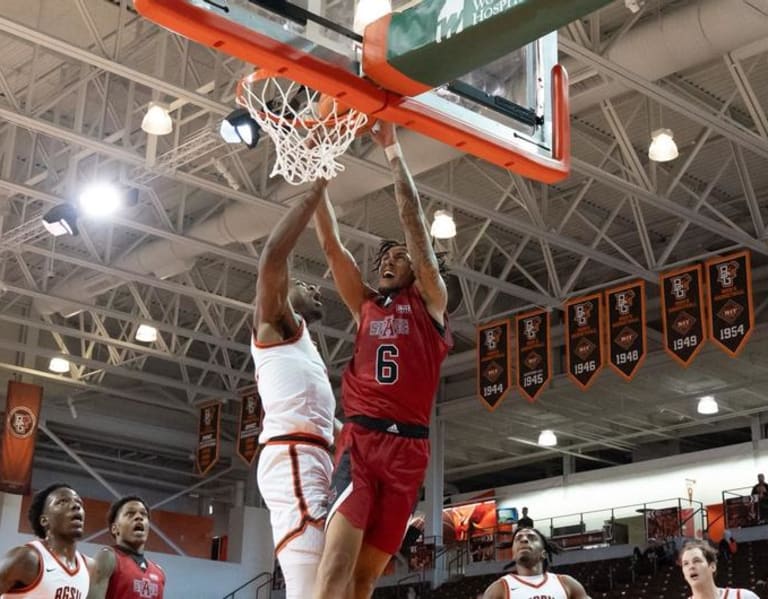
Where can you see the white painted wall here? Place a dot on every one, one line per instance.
(250, 544)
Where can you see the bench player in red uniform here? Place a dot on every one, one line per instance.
(123, 571)
(388, 390)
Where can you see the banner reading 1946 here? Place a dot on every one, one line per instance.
(584, 347)
(494, 375)
(626, 328)
(249, 426)
(534, 367)
(731, 311)
(682, 313)
(208, 437)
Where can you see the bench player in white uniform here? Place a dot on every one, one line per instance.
(49, 567)
(529, 548)
(698, 560)
(295, 465)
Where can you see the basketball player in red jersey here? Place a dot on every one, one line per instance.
(49, 566)
(123, 571)
(531, 580)
(387, 390)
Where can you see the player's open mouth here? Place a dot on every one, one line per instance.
(387, 274)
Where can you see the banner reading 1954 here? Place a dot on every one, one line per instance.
(534, 367)
(731, 311)
(626, 328)
(584, 347)
(682, 313)
(494, 375)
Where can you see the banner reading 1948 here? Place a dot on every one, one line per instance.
(584, 347)
(731, 311)
(682, 313)
(533, 357)
(494, 377)
(626, 328)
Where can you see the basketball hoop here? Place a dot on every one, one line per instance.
(310, 130)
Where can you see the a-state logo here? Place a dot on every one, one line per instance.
(492, 338)
(582, 313)
(389, 328)
(681, 286)
(145, 588)
(531, 327)
(624, 301)
(21, 422)
(726, 273)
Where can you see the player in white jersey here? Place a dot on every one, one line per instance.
(698, 559)
(529, 550)
(295, 464)
(49, 567)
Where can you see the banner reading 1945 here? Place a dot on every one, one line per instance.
(731, 311)
(682, 312)
(494, 375)
(208, 437)
(626, 328)
(249, 426)
(534, 367)
(584, 346)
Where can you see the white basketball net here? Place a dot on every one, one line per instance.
(289, 113)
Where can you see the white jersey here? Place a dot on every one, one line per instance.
(54, 580)
(729, 593)
(294, 388)
(542, 586)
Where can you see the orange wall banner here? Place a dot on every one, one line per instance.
(731, 310)
(584, 339)
(534, 362)
(249, 425)
(626, 328)
(682, 312)
(22, 410)
(208, 437)
(494, 372)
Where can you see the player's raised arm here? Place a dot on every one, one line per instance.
(272, 284)
(100, 569)
(346, 274)
(423, 258)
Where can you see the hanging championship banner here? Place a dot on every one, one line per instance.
(494, 374)
(584, 346)
(731, 311)
(22, 410)
(208, 437)
(626, 328)
(533, 357)
(682, 312)
(249, 425)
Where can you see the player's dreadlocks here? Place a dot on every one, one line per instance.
(388, 244)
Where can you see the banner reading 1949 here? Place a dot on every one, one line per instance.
(534, 367)
(584, 347)
(731, 311)
(682, 313)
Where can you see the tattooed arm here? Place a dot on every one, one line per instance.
(423, 258)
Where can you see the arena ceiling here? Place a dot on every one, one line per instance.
(76, 77)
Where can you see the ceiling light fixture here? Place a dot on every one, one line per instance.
(443, 226)
(61, 220)
(707, 406)
(663, 147)
(146, 333)
(100, 199)
(368, 11)
(547, 438)
(59, 365)
(157, 121)
(240, 127)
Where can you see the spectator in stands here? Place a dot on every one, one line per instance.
(525, 521)
(699, 564)
(723, 549)
(761, 488)
(530, 548)
(733, 547)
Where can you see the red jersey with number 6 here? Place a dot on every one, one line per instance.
(395, 369)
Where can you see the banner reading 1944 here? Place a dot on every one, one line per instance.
(731, 311)
(626, 328)
(682, 313)
(534, 367)
(584, 346)
(494, 375)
